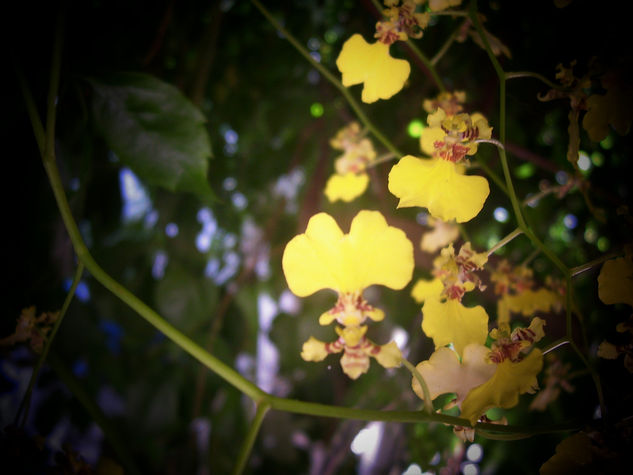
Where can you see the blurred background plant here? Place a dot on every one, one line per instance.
(145, 83)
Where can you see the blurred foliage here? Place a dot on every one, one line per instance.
(251, 99)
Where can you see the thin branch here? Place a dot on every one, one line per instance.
(428, 403)
(26, 400)
(330, 77)
(247, 444)
(505, 240)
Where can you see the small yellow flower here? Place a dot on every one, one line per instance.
(452, 137)
(450, 102)
(615, 282)
(442, 234)
(382, 75)
(350, 181)
(324, 258)
(451, 322)
(503, 389)
(444, 373)
(440, 186)
(346, 187)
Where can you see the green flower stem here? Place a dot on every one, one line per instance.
(505, 240)
(111, 434)
(574, 271)
(517, 208)
(596, 381)
(247, 445)
(555, 345)
(529, 74)
(445, 47)
(493, 176)
(428, 64)
(330, 77)
(428, 403)
(26, 400)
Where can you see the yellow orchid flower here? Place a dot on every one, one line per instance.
(442, 234)
(439, 183)
(325, 258)
(346, 187)
(451, 322)
(615, 282)
(440, 186)
(382, 75)
(450, 102)
(445, 319)
(503, 389)
(350, 181)
(444, 373)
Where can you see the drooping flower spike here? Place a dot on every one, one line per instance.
(325, 258)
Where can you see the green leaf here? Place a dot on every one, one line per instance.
(154, 130)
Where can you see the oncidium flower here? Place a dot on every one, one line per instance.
(450, 102)
(516, 288)
(444, 318)
(485, 377)
(515, 373)
(350, 179)
(441, 235)
(381, 74)
(439, 183)
(372, 65)
(325, 258)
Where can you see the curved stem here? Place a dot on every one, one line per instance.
(428, 403)
(447, 44)
(505, 240)
(493, 176)
(330, 77)
(387, 157)
(574, 271)
(428, 64)
(555, 345)
(247, 445)
(26, 400)
(529, 74)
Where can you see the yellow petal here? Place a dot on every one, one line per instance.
(346, 187)
(443, 373)
(436, 184)
(354, 363)
(429, 136)
(451, 322)
(312, 261)
(389, 355)
(381, 254)
(503, 389)
(442, 235)
(530, 301)
(615, 282)
(372, 253)
(424, 289)
(373, 66)
(314, 350)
